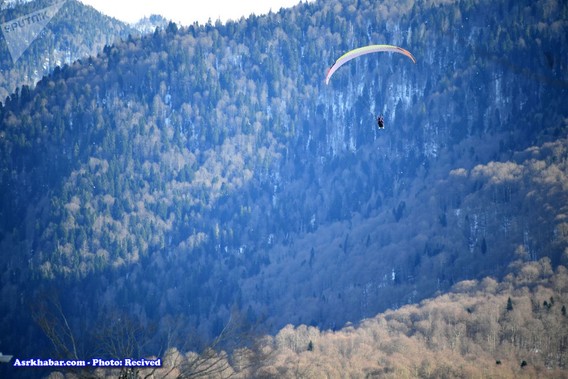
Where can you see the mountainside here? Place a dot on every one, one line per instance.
(517, 328)
(75, 31)
(196, 172)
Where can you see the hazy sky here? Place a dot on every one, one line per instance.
(188, 11)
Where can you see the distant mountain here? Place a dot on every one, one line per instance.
(195, 173)
(75, 31)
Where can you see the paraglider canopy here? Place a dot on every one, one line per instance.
(362, 51)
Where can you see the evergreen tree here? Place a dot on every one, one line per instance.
(509, 304)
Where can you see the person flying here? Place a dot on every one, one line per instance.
(380, 122)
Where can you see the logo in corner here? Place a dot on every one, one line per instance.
(20, 32)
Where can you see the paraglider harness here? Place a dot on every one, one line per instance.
(380, 122)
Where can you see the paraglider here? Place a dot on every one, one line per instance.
(380, 122)
(362, 51)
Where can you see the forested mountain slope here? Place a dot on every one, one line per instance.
(514, 328)
(76, 31)
(206, 170)
(464, 224)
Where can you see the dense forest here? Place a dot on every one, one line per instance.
(184, 177)
(516, 328)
